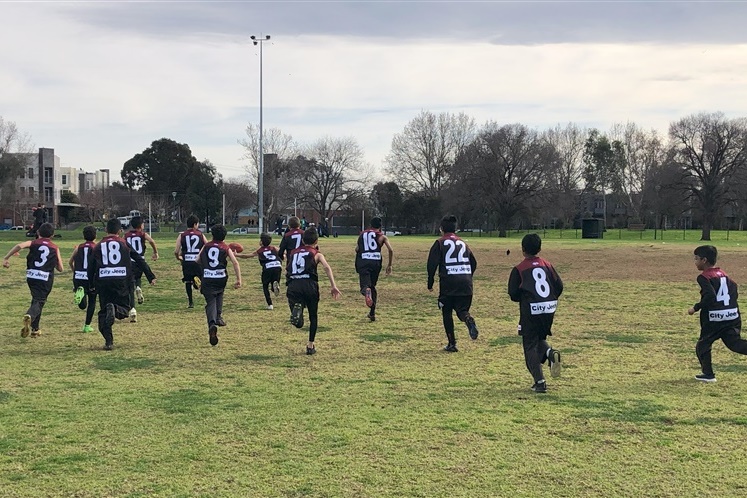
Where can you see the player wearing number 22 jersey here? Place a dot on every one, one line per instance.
(536, 286)
(456, 264)
(43, 258)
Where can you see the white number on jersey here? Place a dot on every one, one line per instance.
(297, 238)
(212, 255)
(137, 244)
(723, 292)
(85, 258)
(110, 253)
(269, 256)
(461, 256)
(541, 285)
(369, 241)
(44, 250)
(299, 262)
(193, 244)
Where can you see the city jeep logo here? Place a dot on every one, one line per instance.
(723, 315)
(548, 307)
(112, 272)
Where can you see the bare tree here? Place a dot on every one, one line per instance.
(15, 150)
(564, 181)
(238, 195)
(423, 155)
(710, 150)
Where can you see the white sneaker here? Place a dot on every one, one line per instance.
(133, 315)
(269, 306)
(139, 295)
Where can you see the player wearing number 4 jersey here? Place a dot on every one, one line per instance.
(536, 286)
(43, 258)
(79, 263)
(368, 263)
(719, 311)
(188, 246)
(137, 238)
(456, 264)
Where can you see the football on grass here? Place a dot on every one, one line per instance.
(236, 247)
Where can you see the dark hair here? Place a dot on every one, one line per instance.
(265, 239)
(708, 252)
(89, 233)
(219, 232)
(192, 220)
(376, 222)
(294, 222)
(136, 222)
(113, 226)
(449, 223)
(46, 230)
(531, 244)
(310, 236)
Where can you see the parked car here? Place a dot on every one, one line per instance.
(5, 226)
(240, 231)
(391, 233)
(18, 227)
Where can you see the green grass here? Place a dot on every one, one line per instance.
(380, 411)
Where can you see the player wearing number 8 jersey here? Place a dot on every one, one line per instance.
(368, 262)
(188, 246)
(43, 258)
(456, 264)
(536, 286)
(719, 311)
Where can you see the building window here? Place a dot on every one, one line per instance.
(48, 175)
(48, 195)
(31, 174)
(31, 191)
(23, 191)
(64, 179)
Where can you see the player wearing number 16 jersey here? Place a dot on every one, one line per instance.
(188, 246)
(456, 264)
(536, 286)
(43, 258)
(719, 311)
(368, 262)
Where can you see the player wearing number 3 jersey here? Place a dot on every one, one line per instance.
(456, 264)
(536, 286)
(719, 311)
(43, 258)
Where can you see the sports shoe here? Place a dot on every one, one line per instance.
(540, 387)
(706, 378)
(269, 307)
(87, 329)
(139, 295)
(555, 365)
(296, 318)
(310, 350)
(35, 332)
(472, 328)
(369, 299)
(371, 317)
(80, 293)
(220, 323)
(110, 315)
(196, 282)
(191, 305)
(213, 333)
(451, 348)
(108, 346)
(133, 315)
(26, 329)
(276, 288)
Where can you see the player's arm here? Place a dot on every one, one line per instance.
(178, 248)
(236, 267)
(153, 246)
(71, 262)
(283, 247)
(514, 285)
(142, 264)
(434, 259)
(59, 260)
(14, 250)
(320, 259)
(472, 262)
(385, 242)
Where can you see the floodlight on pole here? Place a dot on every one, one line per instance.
(261, 180)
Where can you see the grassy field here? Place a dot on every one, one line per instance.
(380, 411)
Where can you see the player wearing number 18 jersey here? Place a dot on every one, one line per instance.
(456, 264)
(188, 246)
(368, 262)
(719, 311)
(43, 258)
(536, 286)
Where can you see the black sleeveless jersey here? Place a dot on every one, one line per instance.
(82, 260)
(136, 239)
(455, 263)
(369, 246)
(291, 240)
(41, 260)
(192, 242)
(268, 257)
(718, 303)
(536, 286)
(112, 259)
(302, 264)
(214, 261)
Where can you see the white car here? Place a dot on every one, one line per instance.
(392, 233)
(19, 227)
(240, 231)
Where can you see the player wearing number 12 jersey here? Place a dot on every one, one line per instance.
(536, 286)
(719, 311)
(456, 264)
(43, 258)
(188, 246)
(368, 262)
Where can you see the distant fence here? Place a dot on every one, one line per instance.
(648, 234)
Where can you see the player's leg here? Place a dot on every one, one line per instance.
(266, 287)
(275, 277)
(188, 278)
(374, 294)
(90, 309)
(211, 313)
(533, 358)
(446, 304)
(312, 303)
(703, 352)
(80, 288)
(733, 340)
(295, 303)
(39, 292)
(219, 308)
(462, 305)
(106, 315)
(138, 277)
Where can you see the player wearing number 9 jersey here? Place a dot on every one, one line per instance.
(456, 264)
(188, 246)
(719, 311)
(536, 286)
(110, 274)
(43, 258)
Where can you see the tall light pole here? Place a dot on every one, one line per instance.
(260, 188)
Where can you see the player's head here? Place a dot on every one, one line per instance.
(136, 222)
(376, 222)
(89, 233)
(192, 221)
(219, 232)
(310, 236)
(294, 222)
(448, 223)
(707, 253)
(531, 244)
(46, 230)
(265, 239)
(113, 226)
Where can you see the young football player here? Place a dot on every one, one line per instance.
(536, 286)
(41, 262)
(368, 263)
(719, 311)
(453, 260)
(188, 246)
(271, 266)
(79, 263)
(137, 238)
(303, 286)
(293, 238)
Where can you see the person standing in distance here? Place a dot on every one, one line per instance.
(368, 263)
(137, 238)
(536, 286)
(719, 311)
(188, 246)
(453, 260)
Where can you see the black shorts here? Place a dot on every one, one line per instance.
(190, 270)
(460, 304)
(368, 273)
(303, 291)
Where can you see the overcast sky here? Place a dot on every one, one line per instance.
(100, 81)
